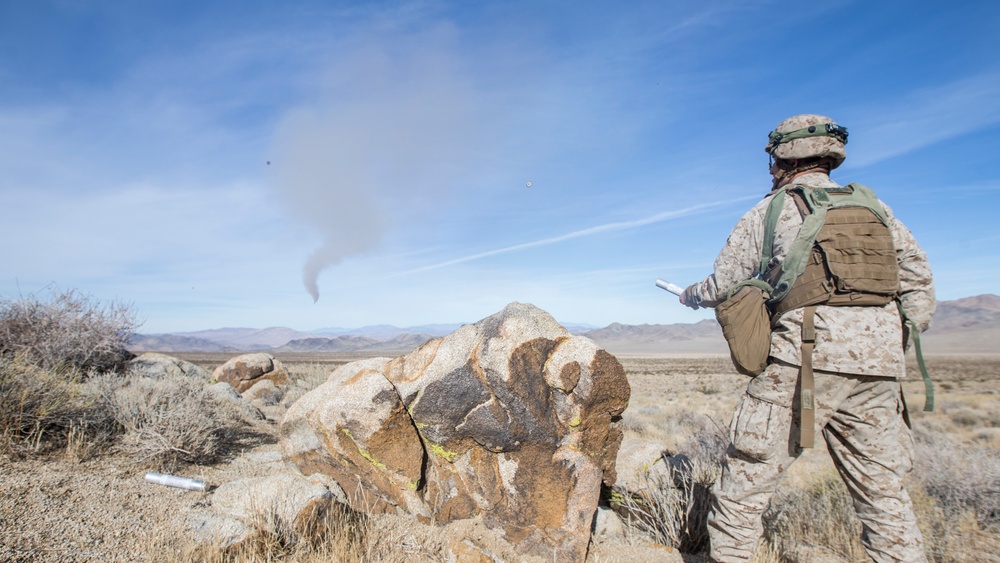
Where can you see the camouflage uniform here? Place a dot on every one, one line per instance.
(858, 362)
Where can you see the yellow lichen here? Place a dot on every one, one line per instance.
(364, 453)
(439, 451)
(371, 459)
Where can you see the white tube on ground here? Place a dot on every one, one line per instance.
(175, 481)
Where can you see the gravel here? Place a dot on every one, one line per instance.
(99, 510)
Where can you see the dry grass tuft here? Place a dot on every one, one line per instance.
(673, 509)
(814, 522)
(339, 534)
(960, 479)
(42, 410)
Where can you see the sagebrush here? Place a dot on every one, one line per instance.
(43, 409)
(68, 329)
(173, 419)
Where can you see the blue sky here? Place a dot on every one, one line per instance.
(217, 164)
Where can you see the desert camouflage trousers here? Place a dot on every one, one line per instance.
(871, 445)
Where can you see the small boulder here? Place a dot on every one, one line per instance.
(225, 395)
(243, 372)
(215, 532)
(608, 525)
(282, 502)
(159, 366)
(640, 466)
(263, 394)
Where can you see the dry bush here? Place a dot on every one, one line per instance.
(967, 417)
(44, 409)
(173, 419)
(813, 522)
(674, 508)
(67, 329)
(960, 479)
(339, 534)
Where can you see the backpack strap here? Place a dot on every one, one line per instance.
(914, 334)
(865, 197)
(807, 411)
(798, 255)
(770, 225)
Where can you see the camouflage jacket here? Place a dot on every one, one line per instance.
(858, 340)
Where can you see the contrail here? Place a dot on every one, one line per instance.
(607, 227)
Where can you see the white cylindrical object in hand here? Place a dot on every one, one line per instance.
(175, 481)
(675, 289)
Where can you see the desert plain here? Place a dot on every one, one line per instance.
(76, 505)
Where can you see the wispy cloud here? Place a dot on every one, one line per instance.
(599, 229)
(926, 117)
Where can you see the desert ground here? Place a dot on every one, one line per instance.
(81, 505)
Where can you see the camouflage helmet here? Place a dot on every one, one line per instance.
(808, 136)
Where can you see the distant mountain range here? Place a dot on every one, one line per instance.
(969, 325)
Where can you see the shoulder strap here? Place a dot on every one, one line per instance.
(798, 255)
(912, 332)
(863, 196)
(770, 224)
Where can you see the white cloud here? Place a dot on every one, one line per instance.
(136, 230)
(599, 229)
(924, 118)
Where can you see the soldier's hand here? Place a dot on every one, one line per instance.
(690, 297)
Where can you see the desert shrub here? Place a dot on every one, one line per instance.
(967, 417)
(66, 329)
(42, 409)
(173, 419)
(673, 508)
(960, 479)
(707, 439)
(338, 534)
(707, 389)
(813, 522)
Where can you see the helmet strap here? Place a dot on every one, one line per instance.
(822, 130)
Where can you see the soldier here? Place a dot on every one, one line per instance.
(857, 354)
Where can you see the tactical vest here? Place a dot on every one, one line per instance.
(843, 255)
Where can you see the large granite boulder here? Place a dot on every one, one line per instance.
(512, 419)
(243, 372)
